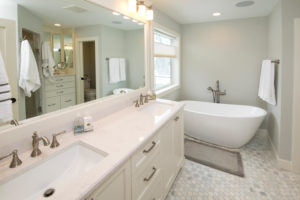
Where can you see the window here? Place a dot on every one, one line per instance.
(166, 62)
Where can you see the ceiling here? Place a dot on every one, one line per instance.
(196, 11)
(52, 11)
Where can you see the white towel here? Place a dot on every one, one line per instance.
(122, 69)
(6, 113)
(114, 70)
(48, 61)
(266, 86)
(29, 79)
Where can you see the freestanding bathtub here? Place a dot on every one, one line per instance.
(225, 125)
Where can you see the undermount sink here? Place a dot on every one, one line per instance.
(57, 171)
(156, 109)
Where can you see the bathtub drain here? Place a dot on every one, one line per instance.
(49, 192)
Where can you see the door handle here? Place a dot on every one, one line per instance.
(83, 78)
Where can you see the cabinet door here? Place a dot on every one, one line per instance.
(117, 187)
(167, 156)
(178, 139)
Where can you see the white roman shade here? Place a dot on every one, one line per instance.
(162, 50)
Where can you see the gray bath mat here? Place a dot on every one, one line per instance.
(212, 156)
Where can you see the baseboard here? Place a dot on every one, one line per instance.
(281, 163)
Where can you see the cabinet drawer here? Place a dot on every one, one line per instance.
(52, 104)
(67, 100)
(147, 180)
(57, 86)
(142, 157)
(61, 79)
(54, 93)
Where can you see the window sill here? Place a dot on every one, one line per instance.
(162, 92)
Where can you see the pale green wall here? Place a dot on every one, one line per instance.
(135, 54)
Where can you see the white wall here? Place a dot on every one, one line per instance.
(8, 9)
(229, 51)
(290, 11)
(113, 46)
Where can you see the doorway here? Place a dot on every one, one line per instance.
(296, 106)
(87, 69)
(32, 104)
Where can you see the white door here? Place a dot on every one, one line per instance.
(9, 52)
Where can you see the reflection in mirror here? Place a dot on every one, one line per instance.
(80, 53)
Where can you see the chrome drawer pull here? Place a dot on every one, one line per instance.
(150, 177)
(177, 118)
(148, 150)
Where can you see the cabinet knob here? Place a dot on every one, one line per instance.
(176, 118)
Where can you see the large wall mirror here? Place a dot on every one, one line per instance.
(82, 52)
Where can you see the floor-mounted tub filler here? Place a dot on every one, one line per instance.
(225, 125)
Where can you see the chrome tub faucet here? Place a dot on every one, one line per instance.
(216, 93)
(35, 144)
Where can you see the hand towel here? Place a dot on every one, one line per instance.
(122, 69)
(29, 79)
(266, 86)
(114, 70)
(6, 113)
(48, 63)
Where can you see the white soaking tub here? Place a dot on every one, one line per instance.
(225, 125)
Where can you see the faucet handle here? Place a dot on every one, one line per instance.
(54, 139)
(15, 160)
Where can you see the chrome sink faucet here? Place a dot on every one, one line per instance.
(217, 93)
(35, 144)
(15, 159)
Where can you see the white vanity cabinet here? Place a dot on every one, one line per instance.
(59, 94)
(151, 170)
(117, 187)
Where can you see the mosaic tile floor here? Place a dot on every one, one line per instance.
(262, 179)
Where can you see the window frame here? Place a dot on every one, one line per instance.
(175, 74)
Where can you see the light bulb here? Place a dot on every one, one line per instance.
(150, 14)
(132, 5)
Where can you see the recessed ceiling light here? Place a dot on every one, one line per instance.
(134, 21)
(57, 25)
(125, 17)
(115, 13)
(244, 4)
(216, 14)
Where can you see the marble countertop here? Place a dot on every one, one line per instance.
(119, 135)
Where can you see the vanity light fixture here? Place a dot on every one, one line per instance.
(142, 9)
(132, 5)
(57, 25)
(150, 14)
(216, 14)
(134, 21)
(115, 13)
(139, 7)
(125, 17)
